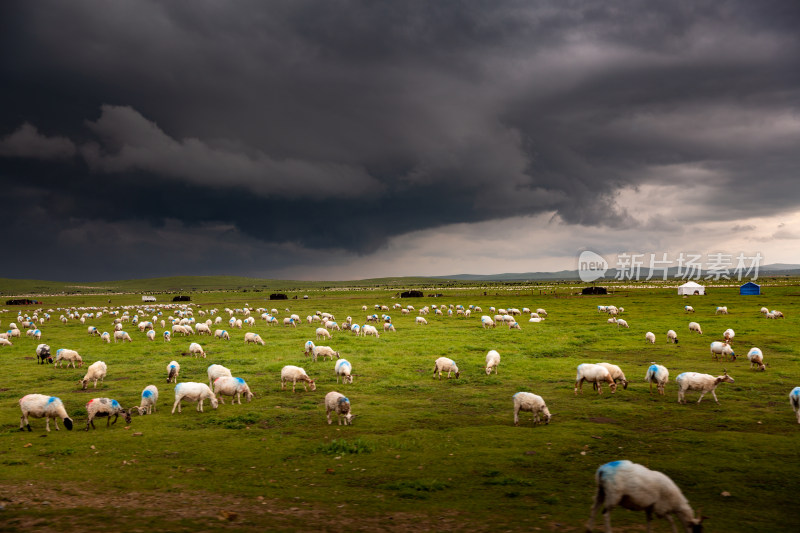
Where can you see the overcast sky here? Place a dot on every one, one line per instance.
(344, 140)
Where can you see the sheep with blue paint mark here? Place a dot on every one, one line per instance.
(149, 399)
(638, 488)
(122, 336)
(756, 358)
(289, 322)
(105, 407)
(173, 369)
(704, 383)
(42, 406)
(194, 392)
(234, 387)
(222, 334)
(794, 401)
(96, 372)
(389, 327)
(105, 337)
(253, 338)
(659, 375)
(487, 322)
(70, 356)
(445, 364)
(343, 369)
(533, 403)
(723, 310)
(151, 335)
(368, 330)
(336, 402)
(217, 371)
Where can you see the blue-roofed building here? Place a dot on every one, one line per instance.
(750, 289)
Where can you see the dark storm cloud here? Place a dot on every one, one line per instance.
(241, 137)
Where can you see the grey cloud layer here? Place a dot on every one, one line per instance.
(338, 125)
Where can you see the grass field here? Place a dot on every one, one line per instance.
(422, 453)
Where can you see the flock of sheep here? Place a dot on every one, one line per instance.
(618, 483)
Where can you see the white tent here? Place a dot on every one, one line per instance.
(690, 288)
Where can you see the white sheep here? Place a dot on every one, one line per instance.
(659, 375)
(234, 387)
(105, 407)
(217, 371)
(756, 358)
(222, 334)
(723, 349)
(704, 383)
(96, 371)
(151, 335)
(389, 327)
(370, 330)
(294, 374)
(636, 487)
(6, 342)
(122, 336)
(420, 320)
(526, 401)
(672, 337)
(536, 320)
(794, 401)
(70, 356)
(622, 323)
(721, 311)
(616, 374)
(149, 400)
(728, 335)
(167, 336)
(105, 337)
(197, 350)
(541, 312)
(514, 325)
(194, 392)
(322, 332)
(596, 374)
(254, 338)
(343, 369)
(694, 326)
(492, 361)
(42, 406)
(777, 314)
(203, 329)
(444, 364)
(289, 322)
(338, 403)
(764, 310)
(323, 351)
(173, 369)
(487, 322)
(650, 337)
(688, 308)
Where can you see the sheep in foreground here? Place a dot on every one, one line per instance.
(294, 374)
(42, 406)
(723, 349)
(526, 401)
(197, 350)
(659, 375)
(6, 342)
(322, 332)
(193, 392)
(596, 374)
(704, 383)
(105, 407)
(650, 337)
(672, 336)
(694, 326)
(492, 361)
(234, 387)
(343, 369)
(253, 338)
(149, 400)
(217, 371)
(616, 374)
(444, 364)
(173, 369)
(43, 354)
(96, 371)
(637, 488)
(336, 402)
(756, 358)
(794, 401)
(70, 356)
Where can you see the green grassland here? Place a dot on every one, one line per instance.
(422, 453)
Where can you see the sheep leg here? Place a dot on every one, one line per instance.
(328, 414)
(200, 405)
(516, 415)
(701, 397)
(55, 421)
(651, 387)
(714, 394)
(671, 522)
(283, 385)
(177, 404)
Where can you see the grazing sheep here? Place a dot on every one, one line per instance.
(611, 321)
(151, 335)
(514, 325)
(636, 487)
(194, 392)
(338, 403)
(492, 361)
(167, 336)
(694, 326)
(123, 336)
(42, 406)
(688, 308)
(616, 374)
(14, 332)
(222, 334)
(343, 368)
(96, 371)
(105, 337)
(622, 323)
(197, 350)
(721, 311)
(203, 329)
(308, 347)
(322, 332)
(70, 356)
(650, 337)
(105, 407)
(659, 375)
(526, 401)
(756, 358)
(672, 336)
(723, 349)
(217, 371)
(295, 374)
(592, 373)
(487, 322)
(253, 338)
(541, 312)
(173, 369)
(728, 335)
(43, 354)
(289, 322)
(794, 401)
(444, 364)
(36, 334)
(777, 314)
(420, 320)
(234, 387)
(149, 400)
(704, 383)
(764, 310)
(325, 352)
(370, 330)
(389, 327)
(356, 329)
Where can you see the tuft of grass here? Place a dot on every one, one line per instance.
(340, 446)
